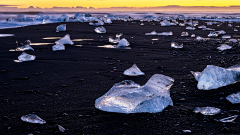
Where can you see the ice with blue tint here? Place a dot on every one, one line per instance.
(152, 33)
(117, 39)
(108, 21)
(224, 47)
(58, 47)
(207, 110)
(63, 18)
(129, 97)
(234, 98)
(99, 23)
(25, 57)
(123, 43)
(184, 34)
(176, 45)
(61, 27)
(100, 30)
(65, 40)
(32, 118)
(213, 77)
(133, 71)
(25, 46)
(212, 34)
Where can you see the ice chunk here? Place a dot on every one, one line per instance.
(176, 45)
(193, 35)
(99, 23)
(190, 28)
(212, 34)
(32, 118)
(234, 98)
(25, 57)
(142, 24)
(117, 40)
(221, 32)
(233, 40)
(213, 77)
(207, 110)
(25, 46)
(166, 33)
(63, 18)
(61, 27)
(60, 129)
(65, 40)
(58, 47)
(224, 47)
(100, 29)
(184, 34)
(181, 24)
(235, 30)
(108, 20)
(152, 33)
(202, 27)
(165, 23)
(198, 38)
(133, 71)
(229, 119)
(123, 43)
(129, 97)
(226, 36)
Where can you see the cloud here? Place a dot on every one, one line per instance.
(8, 5)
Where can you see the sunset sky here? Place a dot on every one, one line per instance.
(116, 3)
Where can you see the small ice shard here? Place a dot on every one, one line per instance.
(152, 33)
(165, 23)
(181, 24)
(190, 28)
(63, 18)
(187, 131)
(108, 20)
(229, 119)
(176, 45)
(233, 40)
(226, 36)
(193, 35)
(224, 47)
(59, 129)
(142, 24)
(207, 110)
(25, 46)
(202, 27)
(25, 57)
(99, 23)
(213, 77)
(116, 40)
(208, 29)
(166, 33)
(234, 98)
(221, 32)
(133, 71)
(196, 75)
(123, 43)
(58, 47)
(229, 25)
(212, 34)
(61, 27)
(100, 29)
(129, 97)
(198, 38)
(184, 34)
(32, 118)
(65, 40)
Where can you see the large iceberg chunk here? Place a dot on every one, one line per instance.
(129, 97)
(61, 27)
(65, 40)
(63, 18)
(234, 98)
(213, 77)
(123, 43)
(133, 71)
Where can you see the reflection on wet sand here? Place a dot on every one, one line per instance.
(41, 43)
(52, 38)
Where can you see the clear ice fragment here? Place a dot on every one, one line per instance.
(152, 33)
(224, 47)
(198, 38)
(176, 45)
(65, 40)
(166, 33)
(212, 34)
(116, 40)
(123, 43)
(133, 71)
(190, 28)
(184, 34)
(226, 36)
(221, 32)
(60, 129)
(129, 97)
(61, 27)
(229, 119)
(32, 118)
(234, 98)
(25, 46)
(25, 57)
(100, 29)
(213, 77)
(202, 27)
(193, 35)
(207, 110)
(58, 47)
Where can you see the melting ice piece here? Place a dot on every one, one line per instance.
(25, 46)
(65, 40)
(61, 27)
(213, 77)
(233, 40)
(224, 47)
(58, 47)
(152, 33)
(221, 32)
(133, 71)
(196, 75)
(198, 38)
(108, 20)
(193, 35)
(202, 27)
(6, 35)
(229, 119)
(207, 110)
(165, 23)
(190, 28)
(142, 24)
(212, 34)
(123, 43)
(100, 29)
(184, 34)
(166, 33)
(25, 57)
(226, 36)
(111, 40)
(129, 97)
(176, 45)
(234, 98)
(59, 129)
(235, 30)
(32, 118)
(99, 23)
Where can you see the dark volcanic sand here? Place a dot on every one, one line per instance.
(61, 87)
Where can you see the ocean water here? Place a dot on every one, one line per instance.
(4, 15)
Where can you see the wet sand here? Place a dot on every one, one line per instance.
(61, 87)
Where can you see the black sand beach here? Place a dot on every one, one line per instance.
(61, 87)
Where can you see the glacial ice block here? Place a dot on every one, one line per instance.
(224, 47)
(123, 43)
(129, 97)
(100, 29)
(32, 118)
(234, 98)
(213, 77)
(61, 27)
(65, 40)
(133, 71)
(25, 57)
(58, 47)
(207, 110)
